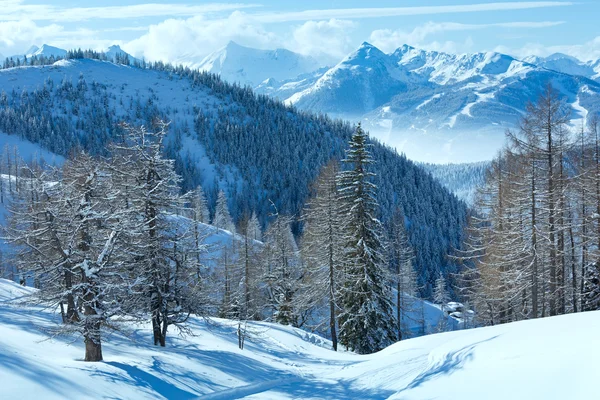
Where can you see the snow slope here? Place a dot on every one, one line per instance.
(550, 358)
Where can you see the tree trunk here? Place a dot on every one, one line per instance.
(534, 265)
(93, 345)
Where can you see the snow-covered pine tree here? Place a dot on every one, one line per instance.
(199, 206)
(282, 270)
(441, 297)
(247, 296)
(162, 254)
(39, 229)
(367, 317)
(199, 214)
(323, 246)
(254, 229)
(222, 219)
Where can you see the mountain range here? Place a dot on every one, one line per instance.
(434, 106)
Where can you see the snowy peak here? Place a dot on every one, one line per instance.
(567, 64)
(32, 49)
(365, 54)
(48, 51)
(115, 51)
(245, 65)
(366, 78)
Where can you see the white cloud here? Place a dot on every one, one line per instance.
(389, 40)
(14, 34)
(328, 40)
(356, 13)
(197, 37)
(588, 51)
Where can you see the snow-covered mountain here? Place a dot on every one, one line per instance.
(115, 51)
(568, 65)
(435, 106)
(45, 51)
(549, 358)
(48, 51)
(236, 63)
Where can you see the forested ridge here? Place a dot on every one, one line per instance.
(259, 149)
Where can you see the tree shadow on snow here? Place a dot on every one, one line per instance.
(141, 378)
(451, 362)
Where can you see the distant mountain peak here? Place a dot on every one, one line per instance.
(32, 49)
(561, 56)
(246, 65)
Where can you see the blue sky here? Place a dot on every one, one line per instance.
(170, 30)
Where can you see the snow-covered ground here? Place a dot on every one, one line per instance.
(551, 358)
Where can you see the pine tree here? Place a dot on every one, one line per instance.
(199, 206)
(440, 296)
(223, 218)
(254, 230)
(367, 318)
(283, 271)
(69, 229)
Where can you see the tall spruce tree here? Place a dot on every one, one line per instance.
(367, 318)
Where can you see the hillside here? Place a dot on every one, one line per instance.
(547, 358)
(461, 179)
(223, 137)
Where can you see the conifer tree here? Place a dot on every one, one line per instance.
(283, 272)
(367, 317)
(401, 264)
(223, 218)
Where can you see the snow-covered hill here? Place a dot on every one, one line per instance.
(548, 359)
(236, 63)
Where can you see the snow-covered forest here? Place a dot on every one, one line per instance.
(223, 137)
